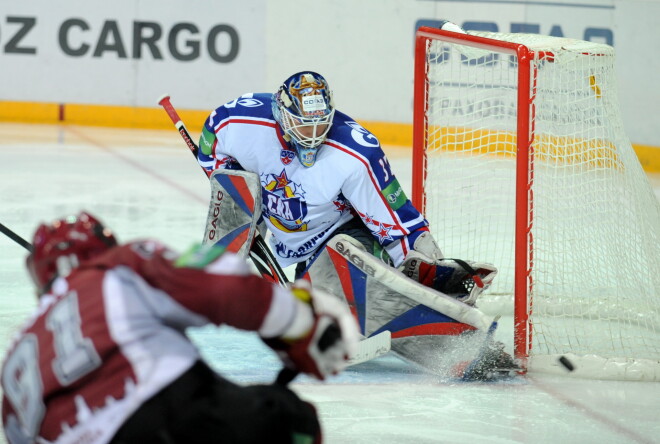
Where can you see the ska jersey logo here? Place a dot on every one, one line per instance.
(282, 202)
(287, 155)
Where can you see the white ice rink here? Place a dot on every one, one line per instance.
(146, 184)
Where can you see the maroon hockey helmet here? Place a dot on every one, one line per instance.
(61, 246)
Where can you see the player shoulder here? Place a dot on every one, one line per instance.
(131, 253)
(250, 105)
(353, 138)
(149, 248)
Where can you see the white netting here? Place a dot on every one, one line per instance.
(595, 274)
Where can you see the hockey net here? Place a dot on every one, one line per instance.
(520, 159)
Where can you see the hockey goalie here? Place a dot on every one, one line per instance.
(291, 164)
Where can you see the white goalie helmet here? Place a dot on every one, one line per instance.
(304, 109)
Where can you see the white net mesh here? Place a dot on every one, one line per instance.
(595, 224)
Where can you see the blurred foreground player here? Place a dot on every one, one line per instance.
(105, 357)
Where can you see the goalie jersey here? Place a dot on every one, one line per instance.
(303, 206)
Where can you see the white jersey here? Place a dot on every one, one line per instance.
(302, 206)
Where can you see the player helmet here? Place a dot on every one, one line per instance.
(61, 246)
(304, 109)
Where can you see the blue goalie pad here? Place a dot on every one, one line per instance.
(427, 327)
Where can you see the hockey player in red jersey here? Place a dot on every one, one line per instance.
(105, 357)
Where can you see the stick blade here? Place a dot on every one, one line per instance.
(371, 348)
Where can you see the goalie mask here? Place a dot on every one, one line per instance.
(58, 248)
(304, 109)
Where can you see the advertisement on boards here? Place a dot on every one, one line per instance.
(130, 52)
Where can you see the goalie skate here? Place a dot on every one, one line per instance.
(427, 327)
(492, 363)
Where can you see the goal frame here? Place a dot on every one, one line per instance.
(524, 161)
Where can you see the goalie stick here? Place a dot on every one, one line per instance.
(261, 255)
(371, 348)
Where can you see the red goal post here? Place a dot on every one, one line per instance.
(420, 130)
(520, 159)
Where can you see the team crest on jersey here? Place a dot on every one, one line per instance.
(283, 202)
(287, 155)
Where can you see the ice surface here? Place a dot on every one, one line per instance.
(146, 184)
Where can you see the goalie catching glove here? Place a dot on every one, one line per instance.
(462, 280)
(322, 336)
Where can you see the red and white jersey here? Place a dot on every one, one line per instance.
(111, 335)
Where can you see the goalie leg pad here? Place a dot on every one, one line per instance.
(424, 323)
(234, 210)
(376, 292)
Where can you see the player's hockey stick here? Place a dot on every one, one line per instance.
(260, 254)
(16, 238)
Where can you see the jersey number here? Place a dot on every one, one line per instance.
(385, 165)
(75, 356)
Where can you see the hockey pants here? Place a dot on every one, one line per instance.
(202, 407)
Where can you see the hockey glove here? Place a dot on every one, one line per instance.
(322, 335)
(462, 280)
